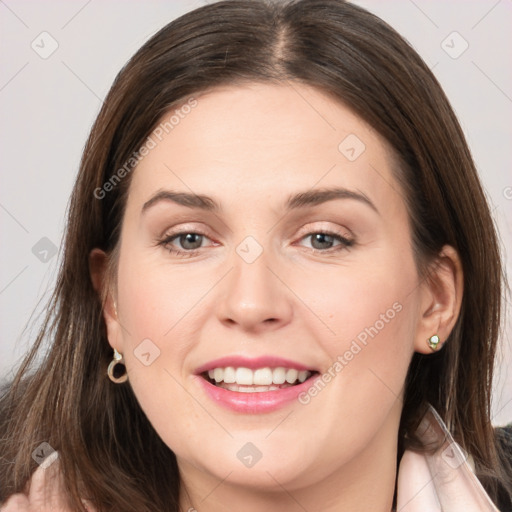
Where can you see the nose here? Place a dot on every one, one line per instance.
(255, 297)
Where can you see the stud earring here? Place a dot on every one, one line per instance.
(113, 369)
(433, 342)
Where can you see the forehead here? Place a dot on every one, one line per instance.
(262, 141)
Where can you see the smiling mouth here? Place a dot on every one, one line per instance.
(246, 380)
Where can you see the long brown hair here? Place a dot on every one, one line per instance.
(355, 57)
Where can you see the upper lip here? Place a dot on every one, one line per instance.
(252, 363)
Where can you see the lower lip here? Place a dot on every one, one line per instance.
(257, 402)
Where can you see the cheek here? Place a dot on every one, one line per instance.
(156, 310)
(371, 304)
(370, 313)
(158, 300)
(160, 308)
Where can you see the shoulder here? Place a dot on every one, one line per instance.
(503, 437)
(44, 492)
(505, 431)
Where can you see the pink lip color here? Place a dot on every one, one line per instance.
(257, 402)
(253, 403)
(252, 363)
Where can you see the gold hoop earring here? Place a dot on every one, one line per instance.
(113, 367)
(433, 342)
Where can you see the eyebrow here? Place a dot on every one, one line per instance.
(296, 201)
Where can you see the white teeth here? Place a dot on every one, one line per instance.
(229, 375)
(261, 379)
(291, 376)
(250, 389)
(244, 376)
(218, 374)
(303, 375)
(279, 375)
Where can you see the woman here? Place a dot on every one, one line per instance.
(297, 354)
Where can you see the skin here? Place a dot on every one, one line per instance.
(249, 147)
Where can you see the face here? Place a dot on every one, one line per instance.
(305, 305)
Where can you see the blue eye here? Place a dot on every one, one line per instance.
(325, 241)
(190, 242)
(186, 240)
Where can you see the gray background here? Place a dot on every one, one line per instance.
(47, 107)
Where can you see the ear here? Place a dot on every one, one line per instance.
(441, 298)
(98, 269)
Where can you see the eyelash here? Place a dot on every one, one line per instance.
(165, 242)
